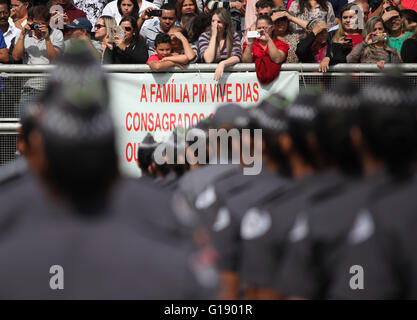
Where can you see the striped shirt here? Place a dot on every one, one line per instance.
(204, 40)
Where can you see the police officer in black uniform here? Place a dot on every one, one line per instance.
(265, 227)
(237, 193)
(315, 262)
(381, 240)
(71, 240)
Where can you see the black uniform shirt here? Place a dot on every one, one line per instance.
(264, 229)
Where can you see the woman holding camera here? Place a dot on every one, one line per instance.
(375, 47)
(221, 44)
(267, 53)
(128, 50)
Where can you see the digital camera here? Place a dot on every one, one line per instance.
(35, 26)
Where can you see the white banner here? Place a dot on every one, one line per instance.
(157, 103)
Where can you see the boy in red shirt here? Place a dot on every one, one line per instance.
(163, 49)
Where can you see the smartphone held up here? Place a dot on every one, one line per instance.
(253, 34)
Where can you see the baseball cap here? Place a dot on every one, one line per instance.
(80, 23)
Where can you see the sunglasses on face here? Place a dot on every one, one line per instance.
(99, 26)
(128, 28)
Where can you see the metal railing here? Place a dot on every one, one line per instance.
(203, 67)
(14, 80)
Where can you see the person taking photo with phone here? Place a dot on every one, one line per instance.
(344, 39)
(126, 47)
(375, 47)
(149, 30)
(267, 53)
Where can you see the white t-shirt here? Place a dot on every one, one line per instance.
(10, 34)
(111, 9)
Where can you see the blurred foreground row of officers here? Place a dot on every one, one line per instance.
(330, 216)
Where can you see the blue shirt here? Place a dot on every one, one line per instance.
(2, 46)
(2, 42)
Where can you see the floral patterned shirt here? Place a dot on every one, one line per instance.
(327, 17)
(92, 8)
(296, 33)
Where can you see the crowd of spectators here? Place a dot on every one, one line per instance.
(268, 34)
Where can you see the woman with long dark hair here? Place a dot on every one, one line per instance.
(344, 39)
(130, 50)
(186, 7)
(128, 8)
(221, 44)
